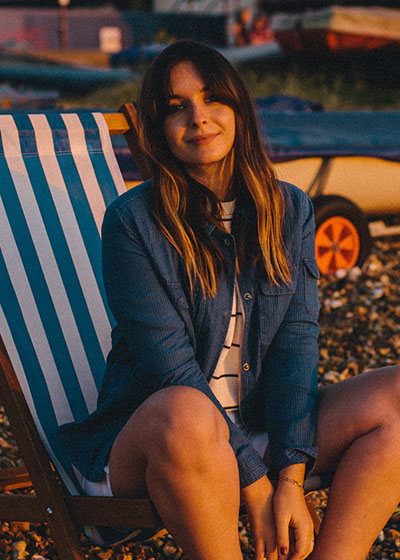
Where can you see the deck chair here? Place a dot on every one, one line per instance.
(58, 173)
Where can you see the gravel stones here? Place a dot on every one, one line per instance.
(360, 329)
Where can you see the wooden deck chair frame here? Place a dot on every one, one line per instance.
(51, 503)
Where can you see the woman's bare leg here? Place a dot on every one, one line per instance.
(358, 432)
(175, 448)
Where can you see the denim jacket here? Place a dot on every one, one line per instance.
(166, 335)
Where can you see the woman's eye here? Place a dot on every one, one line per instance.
(175, 108)
(211, 98)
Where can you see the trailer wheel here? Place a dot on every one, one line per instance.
(342, 238)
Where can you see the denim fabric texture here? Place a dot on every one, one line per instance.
(166, 335)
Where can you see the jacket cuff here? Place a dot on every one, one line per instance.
(282, 458)
(251, 466)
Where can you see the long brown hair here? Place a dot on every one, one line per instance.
(182, 210)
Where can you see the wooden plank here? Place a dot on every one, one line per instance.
(84, 510)
(113, 512)
(28, 507)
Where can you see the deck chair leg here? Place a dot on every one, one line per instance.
(66, 538)
(52, 505)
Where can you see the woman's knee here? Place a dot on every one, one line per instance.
(359, 405)
(388, 395)
(381, 394)
(181, 417)
(371, 396)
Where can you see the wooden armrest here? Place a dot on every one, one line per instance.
(125, 122)
(116, 122)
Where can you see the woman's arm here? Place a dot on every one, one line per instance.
(291, 389)
(290, 367)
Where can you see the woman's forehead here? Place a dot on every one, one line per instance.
(185, 77)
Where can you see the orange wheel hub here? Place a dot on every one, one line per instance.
(337, 244)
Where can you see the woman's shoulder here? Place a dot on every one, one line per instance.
(136, 197)
(297, 202)
(294, 194)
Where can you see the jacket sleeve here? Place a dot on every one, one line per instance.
(290, 367)
(161, 352)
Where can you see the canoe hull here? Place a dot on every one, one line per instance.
(373, 184)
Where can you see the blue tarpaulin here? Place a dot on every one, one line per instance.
(331, 134)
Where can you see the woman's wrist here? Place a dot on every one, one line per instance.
(261, 486)
(289, 480)
(293, 475)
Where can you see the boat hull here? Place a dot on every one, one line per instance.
(338, 28)
(373, 184)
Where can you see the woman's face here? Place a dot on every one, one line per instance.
(199, 130)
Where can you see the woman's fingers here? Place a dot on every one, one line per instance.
(293, 524)
(258, 498)
(282, 534)
(261, 550)
(296, 548)
(264, 538)
(270, 545)
(304, 544)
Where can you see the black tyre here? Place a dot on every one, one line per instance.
(342, 238)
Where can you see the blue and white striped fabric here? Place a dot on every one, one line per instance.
(58, 173)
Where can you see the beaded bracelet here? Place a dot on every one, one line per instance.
(292, 481)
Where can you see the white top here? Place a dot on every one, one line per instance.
(225, 380)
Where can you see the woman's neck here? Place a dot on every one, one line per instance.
(217, 177)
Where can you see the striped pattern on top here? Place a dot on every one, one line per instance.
(224, 382)
(58, 175)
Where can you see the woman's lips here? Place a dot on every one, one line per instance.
(202, 140)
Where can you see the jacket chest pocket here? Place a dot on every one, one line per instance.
(273, 302)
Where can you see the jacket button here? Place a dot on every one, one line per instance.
(246, 366)
(247, 296)
(227, 241)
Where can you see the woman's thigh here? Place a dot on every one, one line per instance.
(352, 408)
(170, 415)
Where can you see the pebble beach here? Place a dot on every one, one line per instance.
(360, 330)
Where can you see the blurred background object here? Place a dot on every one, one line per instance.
(63, 23)
(12, 99)
(338, 28)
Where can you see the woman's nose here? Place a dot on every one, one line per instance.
(198, 115)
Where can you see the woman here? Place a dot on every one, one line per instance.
(210, 273)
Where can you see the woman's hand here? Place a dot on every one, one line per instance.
(258, 499)
(294, 526)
